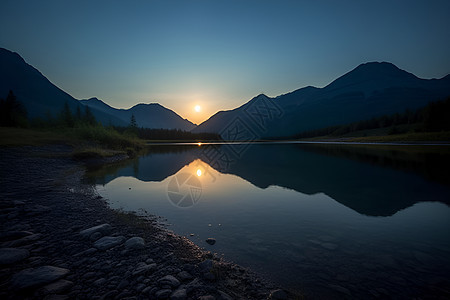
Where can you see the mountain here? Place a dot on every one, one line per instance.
(371, 89)
(42, 98)
(151, 115)
(39, 96)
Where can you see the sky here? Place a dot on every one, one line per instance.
(219, 54)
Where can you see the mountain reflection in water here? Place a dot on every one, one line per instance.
(311, 217)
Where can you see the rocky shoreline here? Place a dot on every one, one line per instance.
(59, 240)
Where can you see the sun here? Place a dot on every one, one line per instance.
(197, 108)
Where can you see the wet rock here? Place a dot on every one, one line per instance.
(86, 252)
(179, 294)
(206, 265)
(163, 294)
(124, 283)
(143, 268)
(211, 241)
(57, 287)
(169, 280)
(95, 236)
(100, 282)
(12, 255)
(109, 295)
(103, 229)
(108, 242)
(183, 276)
(278, 295)
(23, 241)
(35, 277)
(135, 243)
(224, 296)
(14, 235)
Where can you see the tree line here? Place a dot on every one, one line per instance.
(14, 114)
(435, 116)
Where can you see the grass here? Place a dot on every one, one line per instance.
(88, 141)
(10, 137)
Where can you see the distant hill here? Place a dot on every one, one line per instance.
(39, 96)
(42, 98)
(371, 89)
(151, 115)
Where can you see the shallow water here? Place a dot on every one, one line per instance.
(327, 220)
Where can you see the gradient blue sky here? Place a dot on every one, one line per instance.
(219, 54)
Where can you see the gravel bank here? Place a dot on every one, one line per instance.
(59, 240)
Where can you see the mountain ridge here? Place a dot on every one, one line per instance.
(42, 98)
(369, 90)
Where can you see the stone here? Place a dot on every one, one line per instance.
(135, 243)
(224, 296)
(34, 277)
(58, 287)
(183, 276)
(211, 241)
(23, 241)
(179, 294)
(278, 295)
(95, 236)
(86, 252)
(104, 229)
(108, 242)
(169, 280)
(163, 294)
(12, 255)
(143, 268)
(124, 283)
(206, 265)
(100, 282)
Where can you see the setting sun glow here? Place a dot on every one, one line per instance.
(197, 108)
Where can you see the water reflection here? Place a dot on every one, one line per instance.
(303, 215)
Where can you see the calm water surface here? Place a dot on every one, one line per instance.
(330, 221)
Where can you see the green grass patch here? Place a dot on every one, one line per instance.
(88, 141)
(11, 137)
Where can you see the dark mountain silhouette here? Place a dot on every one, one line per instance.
(39, 96)
(151, 115)
(371, 181)
(370, 90)
(42, 98)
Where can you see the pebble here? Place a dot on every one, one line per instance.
(103, 229)
(108, 242)
(12, 255)
(179, 294)
(34, 277)
(183, 276)
(211, 241)
(163, 294)
(58, 287)
(169, 280)
(143, 268)
(135, 243)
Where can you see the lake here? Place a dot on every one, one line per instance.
(325, 220)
